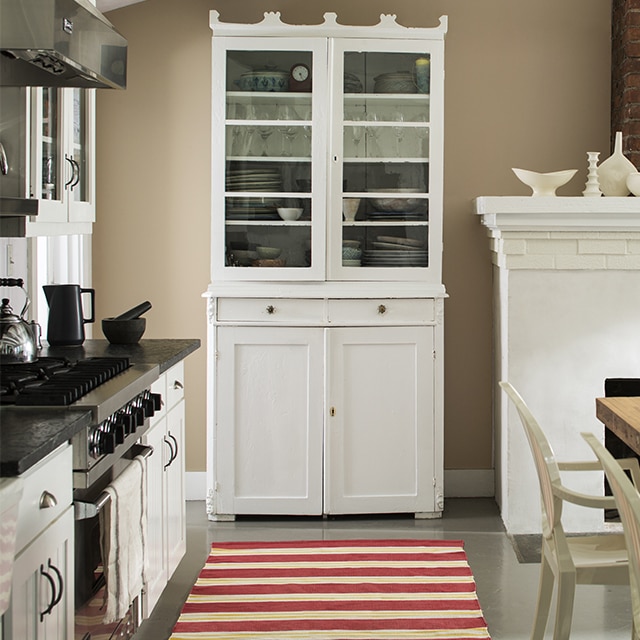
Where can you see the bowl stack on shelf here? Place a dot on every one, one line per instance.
(398, 206)
(397, 82)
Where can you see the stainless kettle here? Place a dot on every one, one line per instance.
(19, 339)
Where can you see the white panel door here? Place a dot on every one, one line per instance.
(268, 423)
(380, 425)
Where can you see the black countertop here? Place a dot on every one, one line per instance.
(28, 434)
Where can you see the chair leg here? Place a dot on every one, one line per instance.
(545, 591)
(564, 611)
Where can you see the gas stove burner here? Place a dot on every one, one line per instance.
(57, 381)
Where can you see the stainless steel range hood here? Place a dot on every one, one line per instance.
(59, 43)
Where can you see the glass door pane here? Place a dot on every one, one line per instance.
(78, 152)
(385, 140)
(268, 152)
(52, 174)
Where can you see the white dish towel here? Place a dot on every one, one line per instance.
(123, 526)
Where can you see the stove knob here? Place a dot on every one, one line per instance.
(148, 407)
(107, 442)
(138, 413)
(119, 430)
(157, 401)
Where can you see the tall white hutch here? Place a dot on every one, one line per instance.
(325, 356)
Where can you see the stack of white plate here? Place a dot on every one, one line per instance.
(392, 251)
(396, 215)
(249, 207)
(254, 180)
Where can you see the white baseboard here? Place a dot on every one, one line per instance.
(469, 483)
(196, 485)
(458, 483)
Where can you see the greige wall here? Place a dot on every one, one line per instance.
(527, 85)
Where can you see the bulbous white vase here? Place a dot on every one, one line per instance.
(613, 172)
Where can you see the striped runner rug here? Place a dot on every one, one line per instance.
(364, 589)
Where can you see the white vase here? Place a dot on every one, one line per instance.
(592, 186)
(613, 172)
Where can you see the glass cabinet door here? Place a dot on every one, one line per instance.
(382, 197)
(78, 153)
(62, 174)
(268, 191)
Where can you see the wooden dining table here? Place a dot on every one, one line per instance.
(621, 415)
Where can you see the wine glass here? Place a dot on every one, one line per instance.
(373, 133)
(265, 130)
(251, 116)
(399, 132)
(357, 133)
(421, 134)
(288, 130)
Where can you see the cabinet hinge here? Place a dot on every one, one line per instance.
(434, 354)
(435, 482)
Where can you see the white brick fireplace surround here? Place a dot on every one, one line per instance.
(566, 296)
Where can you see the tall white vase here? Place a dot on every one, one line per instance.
(613, 172)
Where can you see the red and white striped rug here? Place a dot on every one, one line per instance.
(365, 589)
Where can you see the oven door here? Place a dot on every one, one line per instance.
(90, 579)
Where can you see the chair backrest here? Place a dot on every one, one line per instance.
(545, 463)
(628, 503)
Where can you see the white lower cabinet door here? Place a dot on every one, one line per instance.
(175, 491)
(42, 598)
(157, 573)
(380, 422)
(269, 420)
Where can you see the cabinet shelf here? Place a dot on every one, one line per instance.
(268, 223)
(271, 159)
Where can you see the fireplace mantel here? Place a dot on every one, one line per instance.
(510, 213)
(566, 299)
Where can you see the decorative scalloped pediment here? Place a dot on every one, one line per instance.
(272, 24)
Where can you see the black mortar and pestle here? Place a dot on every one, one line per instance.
(128, 327)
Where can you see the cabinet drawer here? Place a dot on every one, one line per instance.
(175, 385)
(53, 475)
(276, 310)
(381, 311)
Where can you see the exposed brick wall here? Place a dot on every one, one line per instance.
(625, 76)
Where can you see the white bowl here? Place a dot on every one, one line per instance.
(289, 213)
(544, 184)
(633, 183)
(269, 252)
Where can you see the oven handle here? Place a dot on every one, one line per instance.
(86, 510)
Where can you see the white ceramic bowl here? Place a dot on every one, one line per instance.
(544, 184)
(633, 183)
(269, 253)
(289, 213)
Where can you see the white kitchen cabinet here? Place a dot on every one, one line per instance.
(326, 331)
(269, 420)
(42, 592)
(49, 140)
(166, 530)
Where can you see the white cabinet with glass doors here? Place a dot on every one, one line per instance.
(327, 172)
(49, 136)
(342, 128)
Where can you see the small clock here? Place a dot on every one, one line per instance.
(300, 78)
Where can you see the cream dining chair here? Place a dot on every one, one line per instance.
(590, 559)
(628, 501)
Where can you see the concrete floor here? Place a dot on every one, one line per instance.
(506, 589)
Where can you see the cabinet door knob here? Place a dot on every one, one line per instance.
(271, 309)
(382, 309)
(47, 500)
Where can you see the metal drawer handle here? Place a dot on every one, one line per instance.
(56, 594)
(177, 384)
(382, 309)
(47, 500)
(271, 309)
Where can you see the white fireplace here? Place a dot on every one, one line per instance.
(566, 289)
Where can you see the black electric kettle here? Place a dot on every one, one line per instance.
(66, 315)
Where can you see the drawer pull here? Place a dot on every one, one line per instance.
(177, 384)
(382, 309)
(271, 309)
(47, 500)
